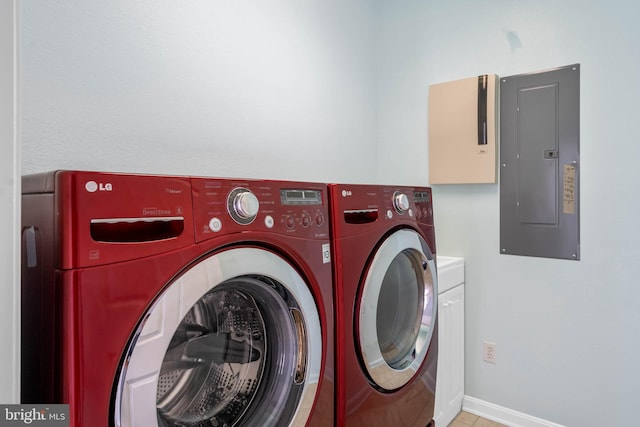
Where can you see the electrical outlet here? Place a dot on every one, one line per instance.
(489, 352)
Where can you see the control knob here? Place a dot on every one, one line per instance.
(243, 206)
(400, 202)
(246, 205)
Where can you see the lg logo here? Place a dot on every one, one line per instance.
(346, 193)
(93, 186)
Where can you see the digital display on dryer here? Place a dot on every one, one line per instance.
(421, 196)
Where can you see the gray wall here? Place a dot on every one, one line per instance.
(566, 332)
(282, 89)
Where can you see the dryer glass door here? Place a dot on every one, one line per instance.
(397, 309)
(234, 341)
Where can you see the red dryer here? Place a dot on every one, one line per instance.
(386, 302)
(177, 301)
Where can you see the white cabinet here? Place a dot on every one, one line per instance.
(450, 377)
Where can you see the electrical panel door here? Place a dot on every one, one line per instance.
(539, 163)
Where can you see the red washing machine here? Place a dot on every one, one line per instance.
(177, 301)
(386, 302)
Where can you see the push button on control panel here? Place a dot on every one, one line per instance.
(268, 221)
(306, 219)
(215, 225)
(289, 222)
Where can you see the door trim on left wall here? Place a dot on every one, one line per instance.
(10, 167)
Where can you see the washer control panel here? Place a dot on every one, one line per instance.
(229, 206)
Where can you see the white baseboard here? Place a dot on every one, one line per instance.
(503, 415)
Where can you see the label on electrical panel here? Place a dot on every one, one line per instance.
(569, 190)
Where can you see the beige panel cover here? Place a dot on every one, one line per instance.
(455, 157)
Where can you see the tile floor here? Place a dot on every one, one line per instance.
(465, 419)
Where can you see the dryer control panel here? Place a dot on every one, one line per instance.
(358, 209)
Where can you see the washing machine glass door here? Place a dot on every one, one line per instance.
(234, 341)
(397, 309)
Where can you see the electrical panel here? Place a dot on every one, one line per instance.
(540, 163)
